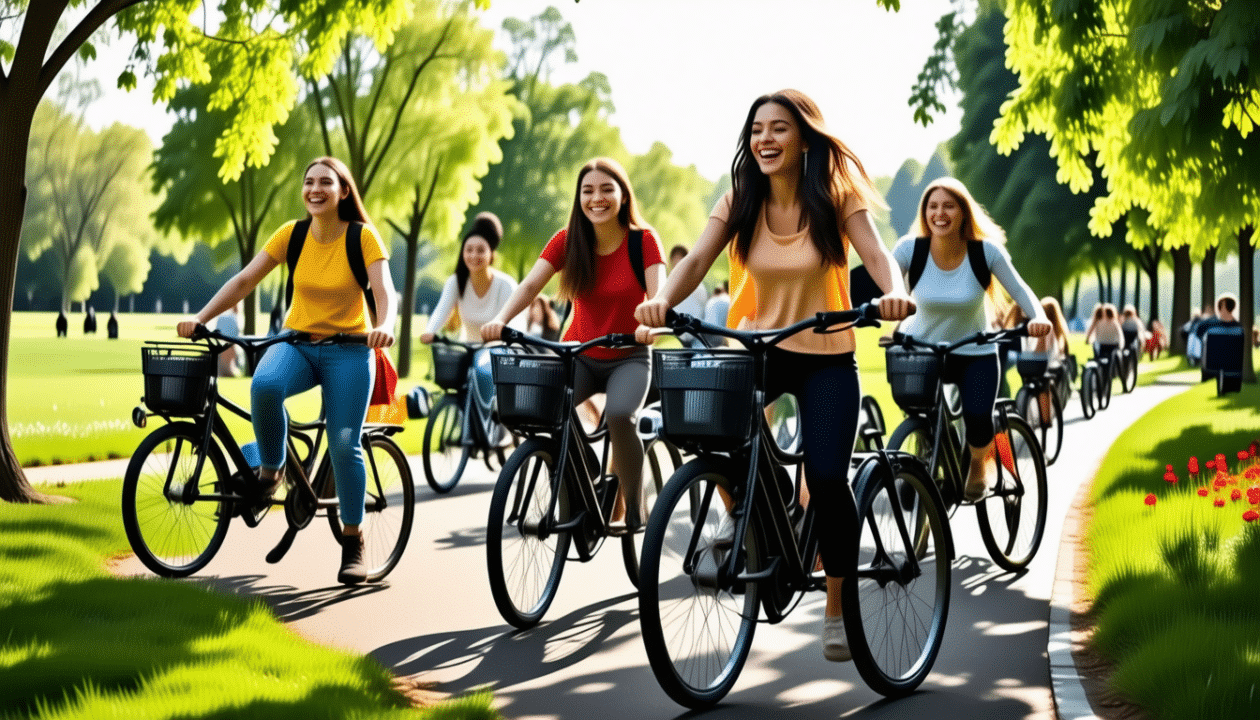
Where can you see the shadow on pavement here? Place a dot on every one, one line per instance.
(289, 603)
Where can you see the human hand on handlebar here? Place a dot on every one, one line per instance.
(426, 338)
(185, 328)
(896, 306)
(651, 313)
(492, 330)
(1038, 328)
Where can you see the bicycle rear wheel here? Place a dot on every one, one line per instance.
(1088, 387)
(445, 452)
(896, 606)
(172, 531)
(1013, 516)
(524, 555)
(389, 507)
(697, 627)
(661, 460)
(1105, 378)
(1129, 371)
(1048, 429)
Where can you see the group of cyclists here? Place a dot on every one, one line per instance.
(800, 200)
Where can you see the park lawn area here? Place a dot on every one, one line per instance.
(1174, 584)
(70, 399)
(78, 642)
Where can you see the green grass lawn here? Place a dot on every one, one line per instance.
(77, 642)
(1175, 584)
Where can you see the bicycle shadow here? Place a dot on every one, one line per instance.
(502, 656)
(287, 602)
(473, 537)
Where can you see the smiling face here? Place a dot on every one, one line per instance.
(600, 197)
(477, 253)
(322, 190)
(775, 140)
(943, 214)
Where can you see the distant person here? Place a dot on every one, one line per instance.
(229, 324)
(111, 326)
(89, 321)
(62, 324)
(694, 303)
(1156, 340)
(1105, 333)
(543, 320)
(1226, 304)
(1131, 326)
(327, 299)
(716, 310)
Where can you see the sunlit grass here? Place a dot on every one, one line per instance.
(1174, 584)
(76, 642)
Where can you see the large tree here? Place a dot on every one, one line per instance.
(258, 48)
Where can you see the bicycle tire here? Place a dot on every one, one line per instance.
(1013, 515)
(697, 632)
(662, 460)
(174, 538)
(445, 452)
(871, 416)
(897, 604)
(1052, 440)
(1048, 432)
(1105, 378)
(389, 506)
(1088, 385)
(1129, 372)
(524, 583)
(914, 437)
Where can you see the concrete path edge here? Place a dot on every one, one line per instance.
(1070, 699)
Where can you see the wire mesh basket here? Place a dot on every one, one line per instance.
(529, 388)
(177, 377)
(450, 365)
(914, 376)
(706, 395)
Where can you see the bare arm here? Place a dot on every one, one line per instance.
(525, 293)
(233, 291)
(386, 307)
(879, 262)
(688, 273)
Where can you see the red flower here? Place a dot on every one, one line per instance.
(1193, 465)
(1170, 477)
(1251, 449)
(1251, 515)
(1243, 454)
(1220, 459)
(1235, 494)
(1150, 499)
(1168, 468)
(1211, 464)
(1219, 482)
(1203, 492)
(1219, 502)
(1253, 495)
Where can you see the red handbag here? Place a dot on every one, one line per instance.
(386, 379)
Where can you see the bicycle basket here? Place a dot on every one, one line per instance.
(450, 365)
(176, 377)
(1032, 366)
(706, 395)
(914, 376)
(529, 387)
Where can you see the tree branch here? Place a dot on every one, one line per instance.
(81, 33)
(318, 101)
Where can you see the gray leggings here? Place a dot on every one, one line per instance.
(625, 382)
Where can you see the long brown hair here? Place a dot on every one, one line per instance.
(349, 208)
(578, 274)
(829, 173)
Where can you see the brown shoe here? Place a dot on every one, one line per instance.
(353, 571)
(266, 487)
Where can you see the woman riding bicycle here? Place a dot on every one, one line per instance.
(1105, 333)
(800, 198)
(480, 291)
(327, 300)
(952, 305)
(594, 259)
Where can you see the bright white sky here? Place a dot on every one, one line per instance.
(685, 71)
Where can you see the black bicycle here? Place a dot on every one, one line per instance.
(729, 545)
(1039, 401)
(459, 428)
(190, 477)
(1012, 515)
(554, 491)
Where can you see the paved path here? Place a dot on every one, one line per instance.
(434, 618)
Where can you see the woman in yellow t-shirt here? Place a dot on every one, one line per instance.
(799, 199)
(326, 300)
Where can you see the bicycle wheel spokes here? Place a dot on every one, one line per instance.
(445, 453)
(390, 507)
(524, 554)
(1013, 517)
(896, 607)
(697, 627)
(171, 532)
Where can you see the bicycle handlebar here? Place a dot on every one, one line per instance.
(865, 315)
(443, 340)
(900, 339)
(255, 343)
(512, 336)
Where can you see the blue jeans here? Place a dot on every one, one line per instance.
(345, 374)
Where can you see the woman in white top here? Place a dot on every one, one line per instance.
(1104, 331)
(480, 291)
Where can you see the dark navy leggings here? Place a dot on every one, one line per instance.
(827, 392)
(977, 379)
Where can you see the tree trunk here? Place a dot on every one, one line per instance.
(1181, 299)
(1124, 282)
(1246, 296)
(1076, 298)
(1207, 275)
(408, 305)
(1102, 284)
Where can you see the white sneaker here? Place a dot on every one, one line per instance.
(835, 640)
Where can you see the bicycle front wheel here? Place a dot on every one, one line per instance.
(445, 452)
(1089, 386)
(524, 553)
(914, 437)
(1129, 371)
(1013, 515)
(697, 626)
(660, 460)
(389, 506)
(1044, 416)
(1105, 379)
(171, 529)
(896, 606)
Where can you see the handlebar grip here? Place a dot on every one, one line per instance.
(200, 332)
(510, 334)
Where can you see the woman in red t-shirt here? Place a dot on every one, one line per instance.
(595, 273)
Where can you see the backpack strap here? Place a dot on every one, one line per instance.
(975, 256)
(634, 246)
(354, 254)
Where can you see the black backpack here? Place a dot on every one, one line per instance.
(975, 254)
(354, 253)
